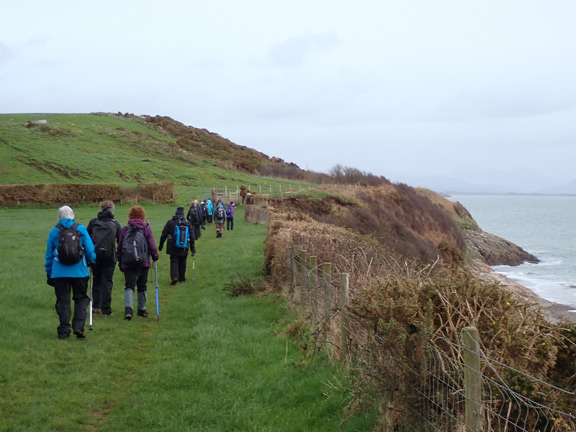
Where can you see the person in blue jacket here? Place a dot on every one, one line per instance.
(210, 209)
(66, 278)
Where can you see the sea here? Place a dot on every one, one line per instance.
(545, 226)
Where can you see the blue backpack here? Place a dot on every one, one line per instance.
(181, 235)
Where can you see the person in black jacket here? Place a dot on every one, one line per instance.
(104, 231)
(178, 255)
(196, 219)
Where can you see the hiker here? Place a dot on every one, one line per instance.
(178, 233)
(230, 216)
(195, 218)
(104, 231)
(204, 211)
(210, 210)
(137, 245)
(69, 252)
(219, 218)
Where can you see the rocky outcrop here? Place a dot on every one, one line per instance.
(494, 250)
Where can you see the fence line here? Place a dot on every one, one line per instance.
(463, 392)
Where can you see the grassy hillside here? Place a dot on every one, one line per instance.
(111, 148)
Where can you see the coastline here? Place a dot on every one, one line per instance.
(553, 312)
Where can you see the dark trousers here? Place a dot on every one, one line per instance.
(230, 224)
(62, 289)
(178, 267)
(102, 289)
(196, 231)
(136, 278)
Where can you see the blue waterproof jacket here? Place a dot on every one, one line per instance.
(210, 207)
(53, 267)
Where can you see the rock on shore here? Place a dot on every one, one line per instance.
(494, 250)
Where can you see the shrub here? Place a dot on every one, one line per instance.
(243, 286)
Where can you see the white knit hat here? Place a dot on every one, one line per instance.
(65, 212)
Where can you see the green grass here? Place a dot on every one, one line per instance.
(211, 363)
(103, 148)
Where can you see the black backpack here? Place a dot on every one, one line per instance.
(69, 247)
(220, 213)
(104, 234)
(193, 216)
(204, 209)
(134, 247)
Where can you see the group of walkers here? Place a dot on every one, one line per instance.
(201, 214)
(72, 250)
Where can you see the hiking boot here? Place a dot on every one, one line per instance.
(106, 315)
(96, 311)
(63, 336)
(128, 313)
(143, 313)
(79, 334)
(174, 282)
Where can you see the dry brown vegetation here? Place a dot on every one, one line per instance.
(210, 145)
(50, 194)
(400, 218)
(409, 291)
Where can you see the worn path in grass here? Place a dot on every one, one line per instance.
(211, 363)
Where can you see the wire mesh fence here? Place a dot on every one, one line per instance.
(446, 386)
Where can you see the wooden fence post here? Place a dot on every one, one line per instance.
(326, 297)
(293, 270)
(313, 286)
(344, 322)
(472, 378)
(302, 274)
(326, 273)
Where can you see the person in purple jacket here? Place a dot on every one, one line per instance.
(69, 277)
(230, 216)
(136, 275)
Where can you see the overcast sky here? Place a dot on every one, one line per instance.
(384, 86)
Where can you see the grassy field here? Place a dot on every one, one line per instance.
(211, 363)
(101, 148)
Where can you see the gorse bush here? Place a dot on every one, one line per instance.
(348, 176)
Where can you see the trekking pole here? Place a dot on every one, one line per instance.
(90, 304)
(193, 270)
(156, 282)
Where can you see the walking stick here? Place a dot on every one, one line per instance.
(90, 304)
(193, 269)
(156, 281)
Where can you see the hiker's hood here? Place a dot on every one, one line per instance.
(138, 223)
(66, 222)
(106, 214)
